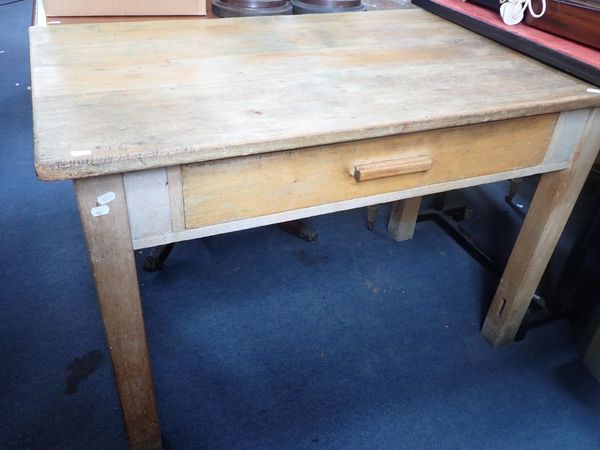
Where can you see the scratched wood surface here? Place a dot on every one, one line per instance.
(119, 97)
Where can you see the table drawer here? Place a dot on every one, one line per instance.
(238, 188)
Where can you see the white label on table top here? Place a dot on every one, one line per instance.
(593, 90)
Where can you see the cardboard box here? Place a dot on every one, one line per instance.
(125, 7)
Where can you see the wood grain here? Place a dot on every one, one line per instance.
(391, 168)
(39, 17)
(551, 206)
(244, 224)
(124, 8)
(111, 256)
(403, 218)
(148, 202)
(215, 192)
(176, 198)
(140, 95)
(562, 145)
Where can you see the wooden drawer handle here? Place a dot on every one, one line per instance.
(392, 167)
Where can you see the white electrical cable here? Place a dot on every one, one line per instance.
(513, 11)
(530, 7)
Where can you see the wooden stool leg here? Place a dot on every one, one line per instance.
(111, 254)
(515, 183)
(404, 218)
(371, 216)
(551, 206)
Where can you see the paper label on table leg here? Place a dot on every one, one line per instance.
(105, 198)
(100, 210)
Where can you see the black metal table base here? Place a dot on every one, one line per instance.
(448, 218)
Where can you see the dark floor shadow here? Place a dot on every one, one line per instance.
(81, 368)
(310, 259)
(488, 289)
(574, 378)
(495, 233)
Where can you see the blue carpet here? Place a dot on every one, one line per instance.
(262, 341)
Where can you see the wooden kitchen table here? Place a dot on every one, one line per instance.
(180, 130)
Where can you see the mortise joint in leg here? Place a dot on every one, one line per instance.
(502, 305)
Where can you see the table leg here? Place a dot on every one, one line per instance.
(111, 254)
(551, 206)
(372, 216)
(404, 218)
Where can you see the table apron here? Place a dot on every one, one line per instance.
(197, 200)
